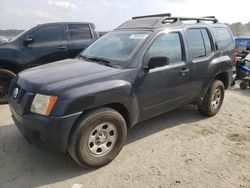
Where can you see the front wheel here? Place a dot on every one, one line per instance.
(97, 138)
(213, 100)
(5, 80)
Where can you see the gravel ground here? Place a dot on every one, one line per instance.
(178, 149)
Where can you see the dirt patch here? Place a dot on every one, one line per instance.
(235, 137)
(178, 149)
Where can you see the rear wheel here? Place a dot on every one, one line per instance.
(243, 85)
(97, 138)
(5, 79)
(213, 100)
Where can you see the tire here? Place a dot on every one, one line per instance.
(243, 85)
(92, 132)
(213, 100)
(233, 83)
(5, 79)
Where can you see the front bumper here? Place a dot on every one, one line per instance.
(49, 132)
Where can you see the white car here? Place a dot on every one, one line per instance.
(4, 39)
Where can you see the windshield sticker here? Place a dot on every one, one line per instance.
(138, 36)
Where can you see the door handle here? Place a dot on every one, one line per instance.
(184, 71)
(61, 47)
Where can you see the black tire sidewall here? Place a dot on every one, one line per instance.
(243, 85)
(9, 75)
(206, 107)
(82, 153)
(216, 85)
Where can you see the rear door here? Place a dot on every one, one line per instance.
(80, 37)
(49, 45)
(201, 52)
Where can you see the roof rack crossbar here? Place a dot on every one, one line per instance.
(179, 19)
(208, 17)
(151, 16)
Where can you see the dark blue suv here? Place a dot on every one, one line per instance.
(147, 66)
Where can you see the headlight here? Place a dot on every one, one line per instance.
(43, 104)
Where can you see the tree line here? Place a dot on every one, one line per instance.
(237, 28)
(10, 32)
(240, 29)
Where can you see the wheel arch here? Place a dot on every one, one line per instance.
(122, 110)
(10, 66)
(223, 77)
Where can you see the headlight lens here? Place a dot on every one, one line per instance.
(43, 104)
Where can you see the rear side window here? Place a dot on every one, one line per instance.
(79, 31)
(48, 34)
(207, 41)
(223, 38)
(167, 45)
(196, 43)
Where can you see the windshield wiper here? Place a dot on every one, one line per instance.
(83, 57)
(100, 61)
(94, 59)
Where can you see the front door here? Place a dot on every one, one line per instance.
(48, 45)
(166, 87)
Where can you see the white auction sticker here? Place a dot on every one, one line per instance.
(138, 36)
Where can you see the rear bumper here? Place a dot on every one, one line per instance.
(49, 132)
(231, 75)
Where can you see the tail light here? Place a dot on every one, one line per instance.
(235, 56)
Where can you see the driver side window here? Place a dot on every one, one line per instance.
(169, 45)
(48, 34)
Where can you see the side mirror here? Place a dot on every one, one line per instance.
(28, 40)
(216, 46)
(158, 61)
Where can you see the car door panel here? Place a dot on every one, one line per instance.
(80, 37)
(166, 87)
(49, 45)
(201, 53)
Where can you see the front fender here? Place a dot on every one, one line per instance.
(10, 52)
(96, 95)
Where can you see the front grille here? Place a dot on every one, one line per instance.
(22, 102)
(21, 92)
(20, 95)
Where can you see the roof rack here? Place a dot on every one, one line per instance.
(198, 20)
(170, 19)
(208, 17)
(151, 16)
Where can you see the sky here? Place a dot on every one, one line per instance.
(109, 14)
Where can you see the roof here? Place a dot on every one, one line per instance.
(163, 20)
(53, 23)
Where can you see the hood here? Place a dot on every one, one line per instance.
(62, 75)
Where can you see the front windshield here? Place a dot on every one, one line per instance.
(115, 46)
